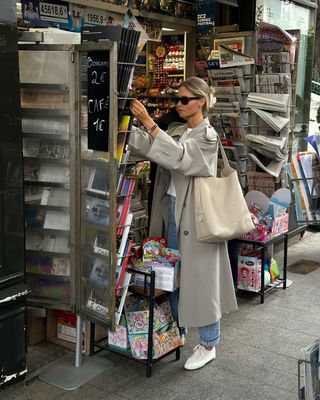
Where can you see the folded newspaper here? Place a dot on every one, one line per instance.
(268, 101)
(270, 147)
(273, 168)
(275, 121)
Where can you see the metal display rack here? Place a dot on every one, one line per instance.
(302, 389)
(148, 291)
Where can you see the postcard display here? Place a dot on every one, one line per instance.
(108, 231)
(68, 108)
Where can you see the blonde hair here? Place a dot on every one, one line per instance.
(199, 87)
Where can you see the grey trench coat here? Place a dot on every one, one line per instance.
(206, 287)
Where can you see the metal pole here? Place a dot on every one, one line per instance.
(77, 362)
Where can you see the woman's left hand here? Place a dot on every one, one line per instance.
(139, 111)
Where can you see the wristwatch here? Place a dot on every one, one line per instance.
(150, 130)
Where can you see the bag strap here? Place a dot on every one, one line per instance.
(223, 153)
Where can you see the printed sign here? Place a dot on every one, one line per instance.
(205, 16)
(69, 16)
(98, 70)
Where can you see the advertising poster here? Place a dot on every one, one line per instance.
(63, 15)
(44, 14)
(205, 10)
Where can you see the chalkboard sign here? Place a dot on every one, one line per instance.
(98, 70)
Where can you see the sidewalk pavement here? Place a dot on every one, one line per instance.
(256, 359)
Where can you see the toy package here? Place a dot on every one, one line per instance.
(138, 321)
(163, 260)
(163, 342)
(269, 215)
(249, 273)
(166, 334)
(119, 339)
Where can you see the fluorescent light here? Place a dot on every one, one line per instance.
(168, 29)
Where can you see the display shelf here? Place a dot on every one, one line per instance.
(263, 245)
(48, 148)
(46, 207)
(56, 138)
(42, 112)
(150, 294)
(47, 184)
(44, 86)
(46, 160)
(46, 276)
(42, 253)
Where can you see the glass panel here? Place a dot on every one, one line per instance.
(46, 115)
(96, 170)
(11, 216)
(11, 194)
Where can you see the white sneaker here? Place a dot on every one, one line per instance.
(200, 357)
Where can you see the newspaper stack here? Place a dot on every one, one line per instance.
(268, 101)
(270, 147)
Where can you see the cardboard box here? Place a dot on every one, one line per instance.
(249, 273)
(66, 326)
(36, 329)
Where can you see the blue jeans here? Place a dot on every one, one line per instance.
(209, 334)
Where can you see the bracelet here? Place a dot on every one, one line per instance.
(155, 126)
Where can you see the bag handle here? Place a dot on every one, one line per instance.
(223, 153)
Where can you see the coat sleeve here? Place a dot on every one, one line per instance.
(140, 142)
(195, 157)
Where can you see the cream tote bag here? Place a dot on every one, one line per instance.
(221, 212)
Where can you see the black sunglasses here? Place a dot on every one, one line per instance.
(185, 99)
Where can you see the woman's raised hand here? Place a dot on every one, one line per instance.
(139, 111)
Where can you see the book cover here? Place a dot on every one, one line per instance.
(32, 194)
(31, 172)
(123, 294)
(120, 271)
(34, 218)
(99, 181)
(123, 215)
(100, 245)
(124, 237)
(98, 211)
(99, 273)
(122, 136)
(57, 220)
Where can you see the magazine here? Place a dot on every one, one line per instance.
(231, 58)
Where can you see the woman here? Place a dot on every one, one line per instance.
(186, 151)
